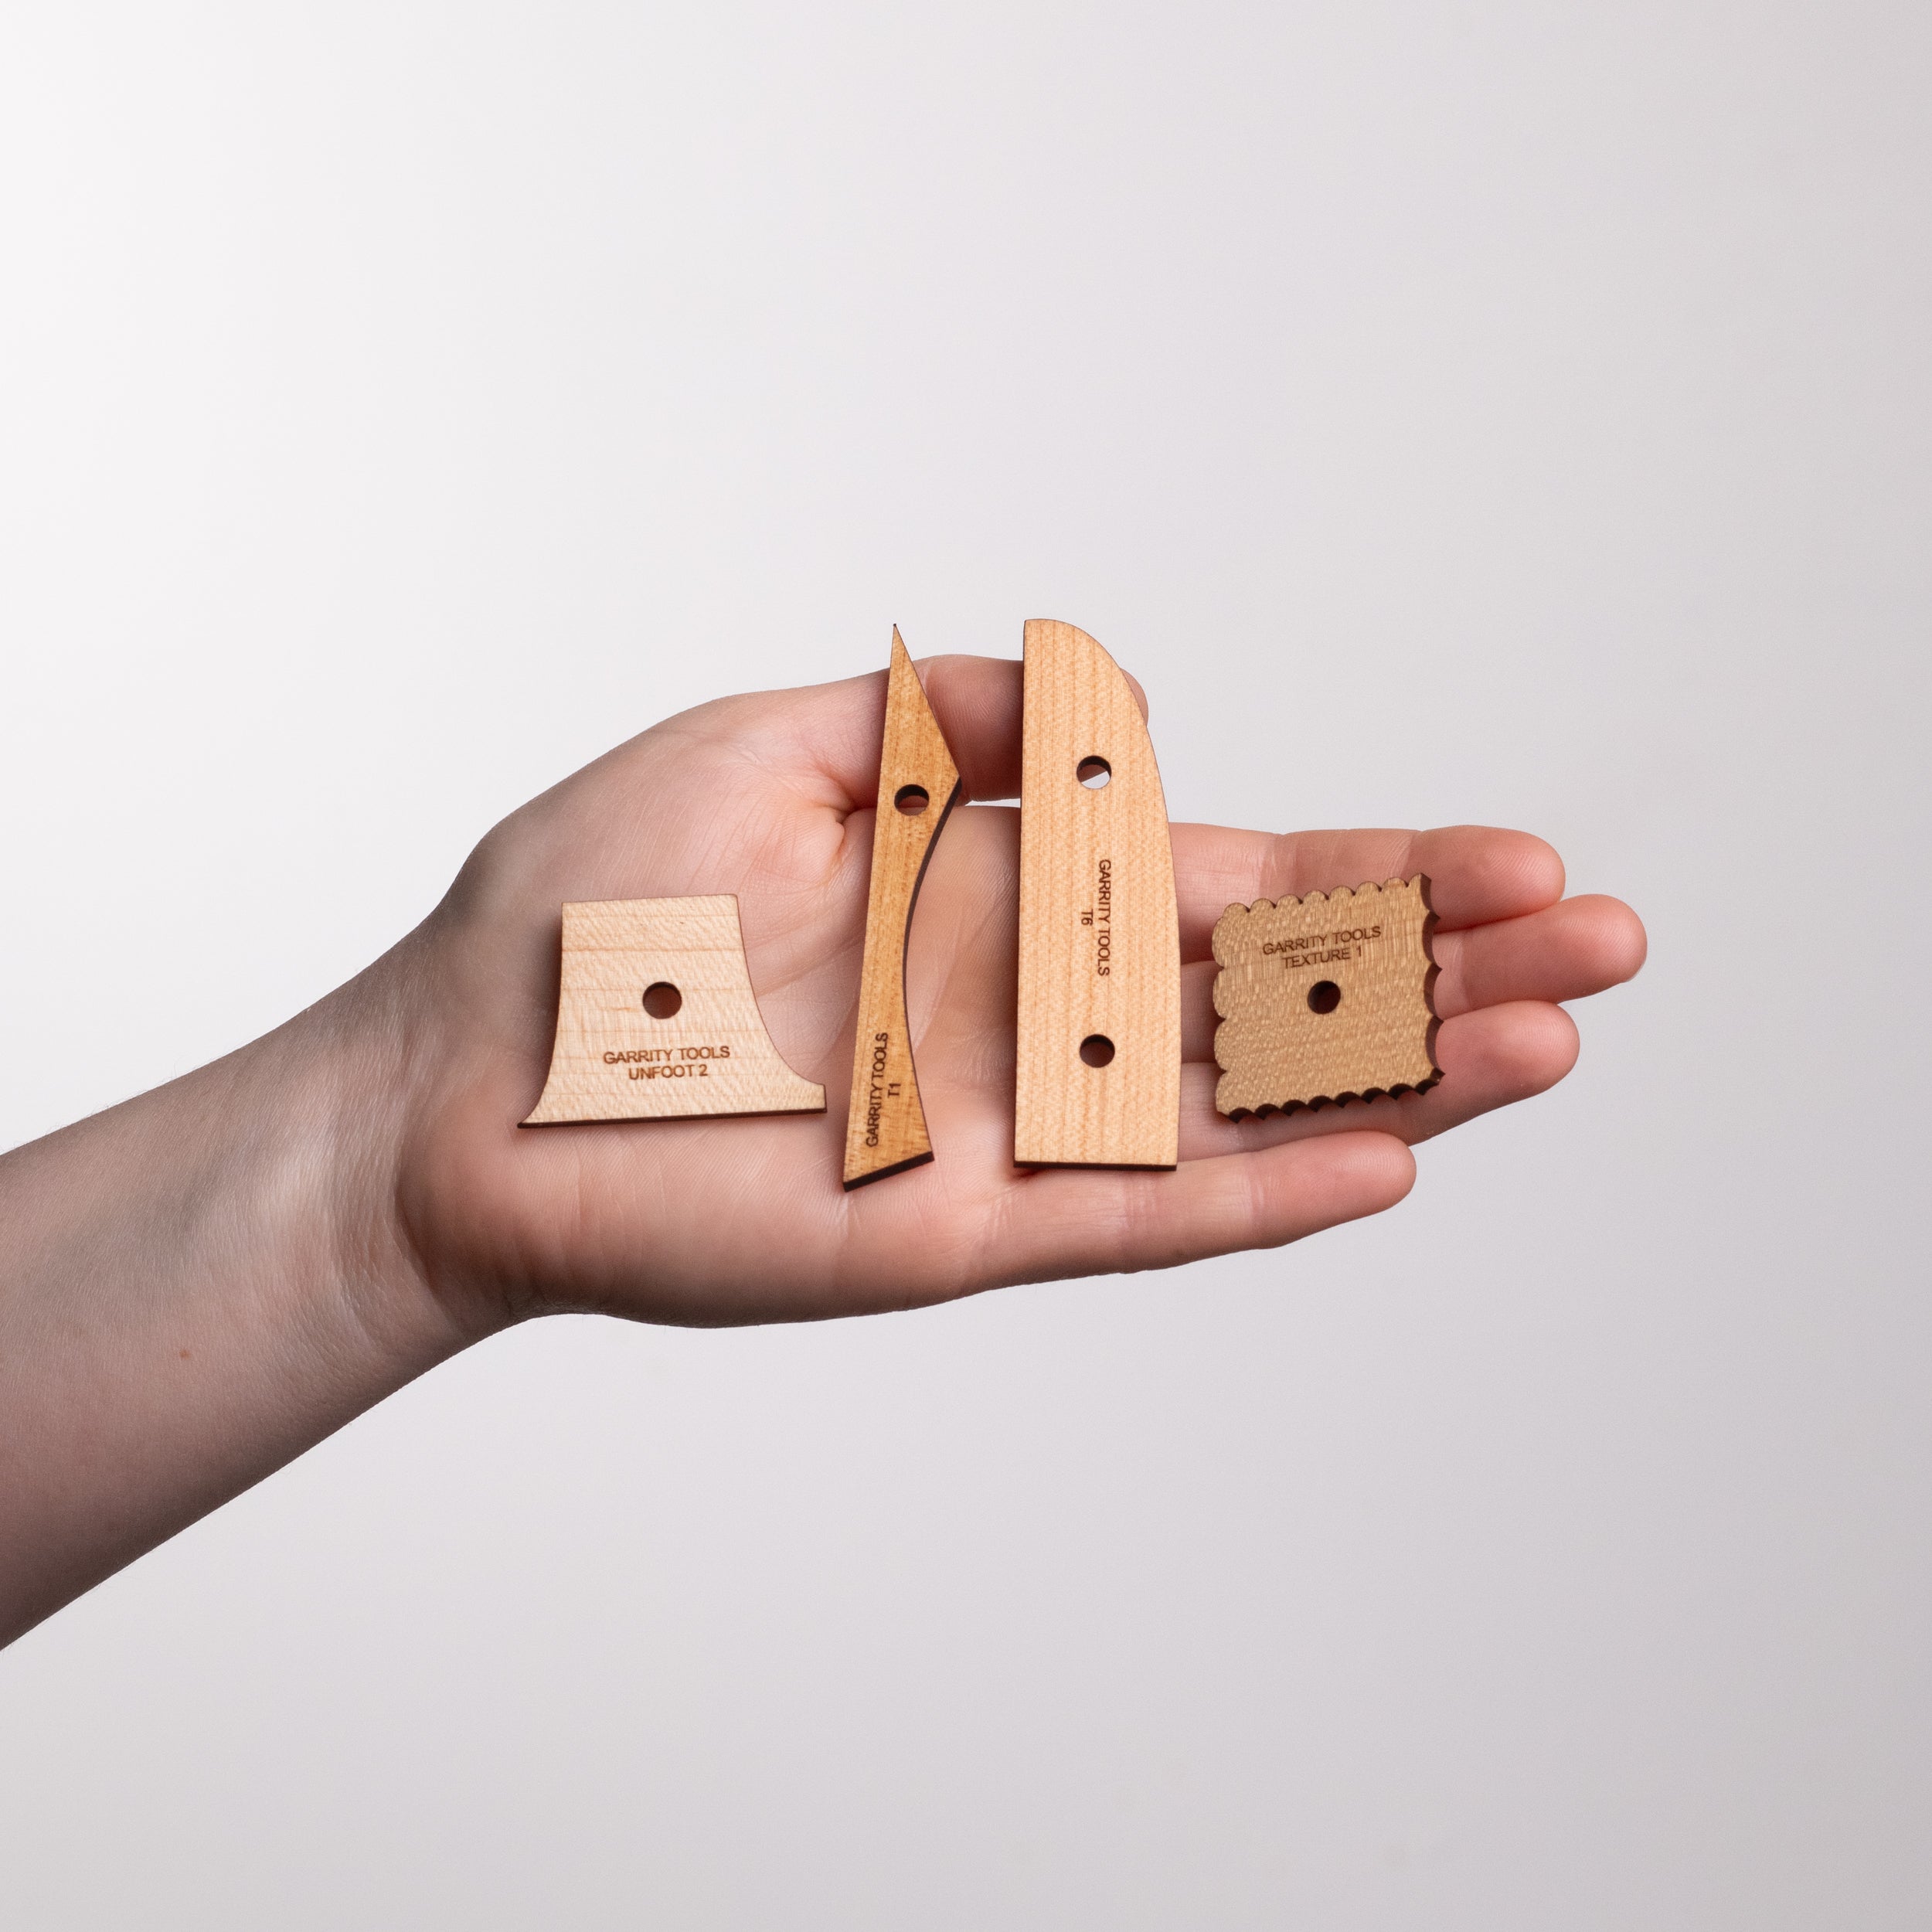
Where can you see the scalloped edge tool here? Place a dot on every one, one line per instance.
(1327, 998)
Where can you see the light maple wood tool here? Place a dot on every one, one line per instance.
(918, 787)
(1098, 1078)
(1325, 999)
(657, 1020)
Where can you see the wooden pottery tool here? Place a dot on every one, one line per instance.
(1098, 1078)
(1326, 998)
(918, 787)
(656, 1019)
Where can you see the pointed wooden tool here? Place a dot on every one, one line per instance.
(1098, 1080)
(656, 1018)
(918, 786)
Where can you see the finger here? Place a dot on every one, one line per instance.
(1489, 1059)
(1476, 873)
(826, 739)
(1071, 1221)
(1567, 950)
(978, 703)
(1199, 1019)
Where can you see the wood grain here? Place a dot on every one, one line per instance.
(612, 1061)
(886, 1131)
(1325, 999)
(1099, 953)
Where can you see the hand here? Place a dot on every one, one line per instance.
(201, 1283)
(771, 797)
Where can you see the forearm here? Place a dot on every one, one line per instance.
(195, 1287)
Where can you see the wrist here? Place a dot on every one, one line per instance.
(348, 1083)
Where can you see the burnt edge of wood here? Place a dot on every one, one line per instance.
(1097, 1167)
(686, 1119)
(1340, 1099)
(886, 1173)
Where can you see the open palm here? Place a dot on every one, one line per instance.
(713, 1221)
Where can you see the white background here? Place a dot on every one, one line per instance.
(1486, 411)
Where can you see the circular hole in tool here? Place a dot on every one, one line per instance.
(662, 1000)
(1093, 772)
(912, 799)
(1324, 996)
(1096, 1049)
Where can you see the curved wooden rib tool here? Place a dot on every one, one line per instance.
(1098, 1080)
(656, 1019)
(918, 787)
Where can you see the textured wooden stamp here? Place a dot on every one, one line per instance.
(1097, 1079)
(656, 1018)
(918, 787)
(1329, 998)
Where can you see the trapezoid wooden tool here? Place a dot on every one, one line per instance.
(656, 1018)
(1098, 1076)
(1329, 998)
(918, 787)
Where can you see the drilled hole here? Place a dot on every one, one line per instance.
(662, 1000)
(1096, 1049)
(1324, 996)
(1093, 772)
(912, 799)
